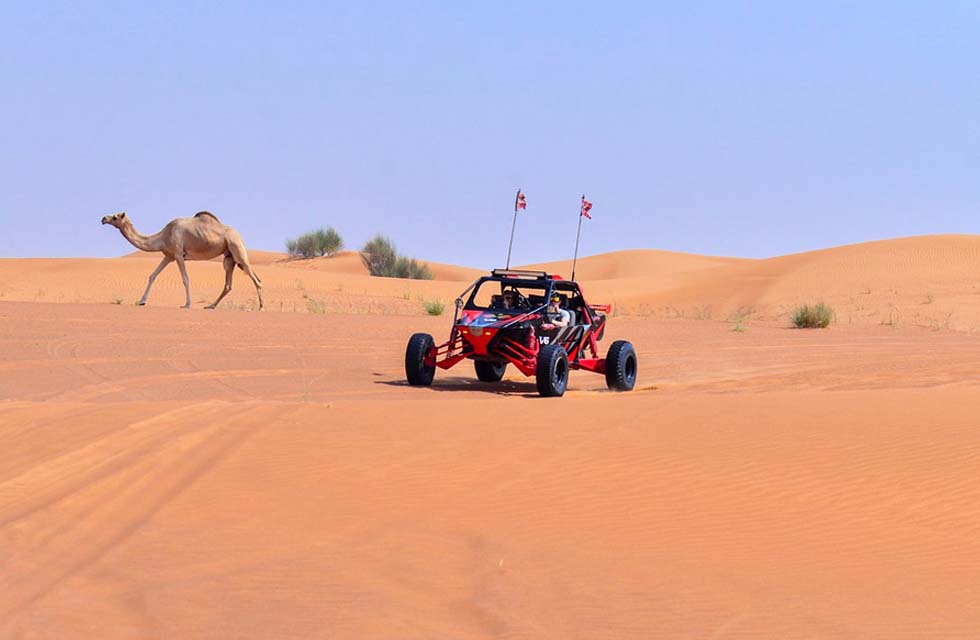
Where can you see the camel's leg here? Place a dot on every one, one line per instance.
(187, 281)
(247, 268)
(240, 255)
(153, 276)
(229, 272)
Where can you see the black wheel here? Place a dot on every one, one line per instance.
(418, 374)
(488, 371)
(621, 366)
(552, 371)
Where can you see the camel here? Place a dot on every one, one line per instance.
(199, 238)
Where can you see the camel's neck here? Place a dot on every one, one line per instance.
(138, 240)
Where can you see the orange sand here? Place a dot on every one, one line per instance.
(181, 474)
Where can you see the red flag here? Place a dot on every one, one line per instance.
(520, 202)
(586, 207)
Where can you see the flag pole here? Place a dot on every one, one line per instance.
(513, 226)
(577, 234)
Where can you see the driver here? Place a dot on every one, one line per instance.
(513, 299)
(554, 315)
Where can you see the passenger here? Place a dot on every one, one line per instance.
(508, 300)
(554, 315)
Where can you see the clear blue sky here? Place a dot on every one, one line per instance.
(748, 129)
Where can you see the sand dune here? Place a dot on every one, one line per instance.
(169, 473)
(912, 280)
(323, 285)
(926, 281)
(344, 262)
(643, 263)
(350, 263)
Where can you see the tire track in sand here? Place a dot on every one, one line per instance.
(72, 511)
(53, 479)
(216, 379)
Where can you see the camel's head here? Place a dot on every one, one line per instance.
(115, 219)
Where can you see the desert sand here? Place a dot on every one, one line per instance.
(169, 473)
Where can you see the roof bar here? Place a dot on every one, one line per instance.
(518, 273)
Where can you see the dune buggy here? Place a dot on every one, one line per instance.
(504, 319)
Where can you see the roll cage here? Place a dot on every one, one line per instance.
(533, 290)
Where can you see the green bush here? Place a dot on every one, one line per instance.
(412, 269)
(322, 242)
(381, 259)
(817, 316)
(379, 256)
(434, 307)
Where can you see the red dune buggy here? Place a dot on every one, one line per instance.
(506, 319)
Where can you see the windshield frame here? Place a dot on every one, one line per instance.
(521, 285)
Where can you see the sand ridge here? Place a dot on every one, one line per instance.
(925, 281)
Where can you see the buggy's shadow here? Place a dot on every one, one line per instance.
(502, 388)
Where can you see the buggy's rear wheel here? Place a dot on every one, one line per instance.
(488, 371)
(418, 373)
(621, 366)
(552, 371)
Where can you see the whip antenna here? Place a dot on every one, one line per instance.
(520, 202)
(583, 212)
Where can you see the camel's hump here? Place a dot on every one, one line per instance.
(206, 214)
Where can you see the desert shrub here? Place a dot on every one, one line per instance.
(412, 269)
(381, 259)
(740, 318)
(316, 306)
(379, 256)
(817, 316)
(322, 242)
(434, 307)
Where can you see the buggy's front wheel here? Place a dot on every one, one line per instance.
(621, 366)
(419, 373)
(552, 371)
